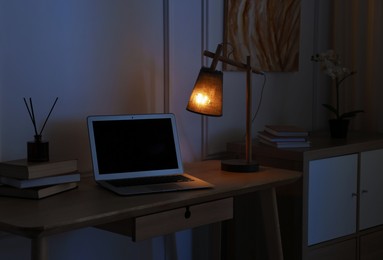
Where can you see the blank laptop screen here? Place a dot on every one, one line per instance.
(134, 145)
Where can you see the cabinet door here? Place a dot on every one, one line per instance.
(371, 188)
(332, 186)
(371, 246)
(345, 250)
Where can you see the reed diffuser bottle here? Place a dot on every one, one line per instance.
(37, 150)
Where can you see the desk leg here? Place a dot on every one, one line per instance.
(216, 230)
(171, 247)
(271, 221)
(39, 249)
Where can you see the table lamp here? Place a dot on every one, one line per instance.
(206, 99)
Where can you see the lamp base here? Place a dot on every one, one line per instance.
(238, 165)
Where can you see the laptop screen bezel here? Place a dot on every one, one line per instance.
(132, 174)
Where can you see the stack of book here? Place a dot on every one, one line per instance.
(284, 136)
(36, 180)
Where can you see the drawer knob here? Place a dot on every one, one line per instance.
(187, 213)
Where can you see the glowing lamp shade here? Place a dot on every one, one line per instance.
(206, 97)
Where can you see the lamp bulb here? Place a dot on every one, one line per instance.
(201, 99)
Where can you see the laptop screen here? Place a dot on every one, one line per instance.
(129, 146)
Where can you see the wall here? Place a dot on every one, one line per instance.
(90, 55)
(120, 56)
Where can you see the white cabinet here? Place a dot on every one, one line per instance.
(332, 200)
(371, 189)
(336, 211)
(333, 191)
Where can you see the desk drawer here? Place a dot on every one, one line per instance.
(182, 218)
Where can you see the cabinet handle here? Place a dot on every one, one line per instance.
(356, 194)
(187, 213)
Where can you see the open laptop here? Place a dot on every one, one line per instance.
(138, 154)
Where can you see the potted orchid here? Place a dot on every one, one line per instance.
(331, 66)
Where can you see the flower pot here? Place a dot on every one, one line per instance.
(338, 128)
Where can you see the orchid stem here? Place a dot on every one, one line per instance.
(337, 100)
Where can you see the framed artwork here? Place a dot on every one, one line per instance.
(267, 30)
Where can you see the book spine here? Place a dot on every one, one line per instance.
(13, 171)
(40, 181)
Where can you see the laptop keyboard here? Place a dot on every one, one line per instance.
(150, 180)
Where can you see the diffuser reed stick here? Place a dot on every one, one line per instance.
(33, 117)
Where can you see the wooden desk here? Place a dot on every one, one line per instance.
(93, 206)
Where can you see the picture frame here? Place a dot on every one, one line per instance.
(267, 30)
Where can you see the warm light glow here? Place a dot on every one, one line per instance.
(201, 99)
(206, 97)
